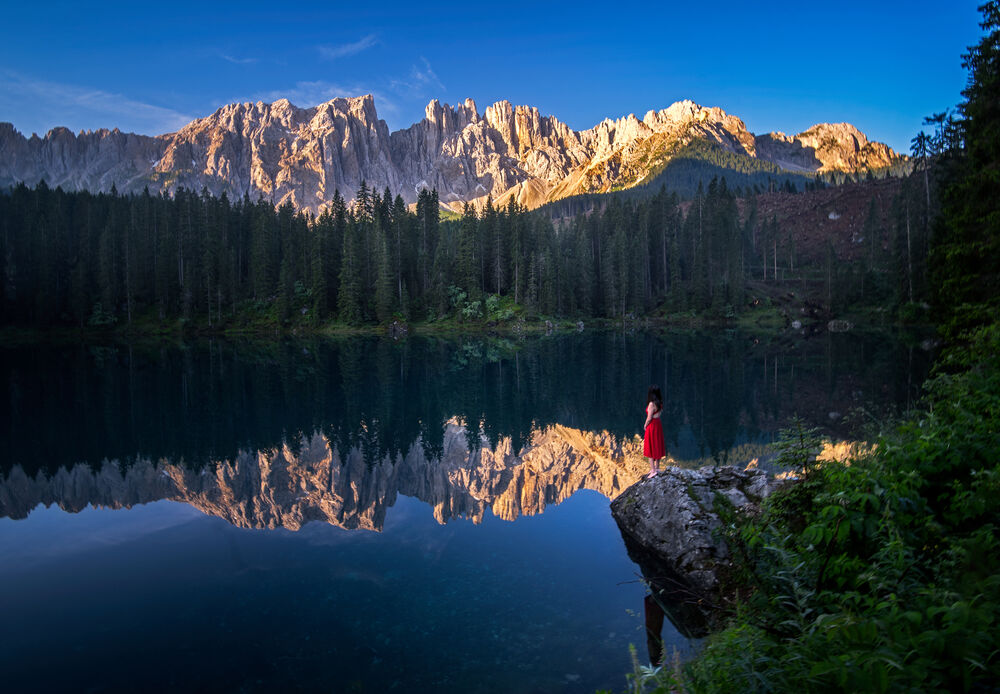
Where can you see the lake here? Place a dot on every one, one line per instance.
(370, 515)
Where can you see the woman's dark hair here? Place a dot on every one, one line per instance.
(654, 396)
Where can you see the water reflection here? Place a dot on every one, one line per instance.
(669, 596)
(280, 435)
(673, 601)
(288, 487)
(203, 402)
(653, 616)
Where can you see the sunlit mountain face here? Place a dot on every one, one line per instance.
(303, 155)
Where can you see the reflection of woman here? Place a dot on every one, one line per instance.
(652, 440)
(654, 625)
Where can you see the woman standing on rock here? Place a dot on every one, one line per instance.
(652, 440)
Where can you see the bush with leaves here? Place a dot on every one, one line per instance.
(100, 317)
(883, 574)
(499, 309)
(879, 575)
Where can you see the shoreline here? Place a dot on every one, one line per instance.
(764, 325)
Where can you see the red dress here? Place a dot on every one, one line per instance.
(652, 440)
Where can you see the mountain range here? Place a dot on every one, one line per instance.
(302, 155)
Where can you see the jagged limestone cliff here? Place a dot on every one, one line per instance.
(303, 155)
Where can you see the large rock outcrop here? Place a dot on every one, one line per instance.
(95, 160)
(282, 152)
(669, 522)
(825, 147)
(302, 155)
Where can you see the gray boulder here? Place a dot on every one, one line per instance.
(672, 518)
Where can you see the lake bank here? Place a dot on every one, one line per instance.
(769, 322)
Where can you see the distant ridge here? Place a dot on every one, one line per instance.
(302, 155)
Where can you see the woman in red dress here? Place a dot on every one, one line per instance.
(652, 440)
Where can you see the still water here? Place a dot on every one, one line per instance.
(367, 515)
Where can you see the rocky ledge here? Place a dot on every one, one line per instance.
(668, 523)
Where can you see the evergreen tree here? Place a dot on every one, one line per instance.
(384, 289)
(442, 273)
(108, 280)
(288, 270)
(517, 242)
(264, 251)
(400, 228)
(338, 211)
(678, 296)
(427, 221)
(320, 251)
(583, 269)
(467, 262)
(349, 293)
(965, 255)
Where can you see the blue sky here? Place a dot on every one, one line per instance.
(150, 68)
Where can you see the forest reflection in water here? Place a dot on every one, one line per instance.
(209, 401)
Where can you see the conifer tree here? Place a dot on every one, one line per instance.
(349, 293)
(400, 228)
(493, 228)
(442, 274)
(677, 294)
(517, 244)
(320, 242)
(583, 269)
(263, 251)
(965, 255)
(427, 222)
(338, 211)
(384, 289)
(466, 260)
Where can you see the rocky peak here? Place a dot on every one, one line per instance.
(286, 153)
(826, 147)
(686, 113)
(280, 151)
(451, 119)
(523, 128)
(835, 136)
(92, 160)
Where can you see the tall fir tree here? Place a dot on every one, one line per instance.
(965, 253)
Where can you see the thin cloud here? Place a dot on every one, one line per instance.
(345, 49)
(237, 61)
(419, 80)
(426, 77)
(39, 105)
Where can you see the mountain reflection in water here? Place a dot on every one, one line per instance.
(286, 488)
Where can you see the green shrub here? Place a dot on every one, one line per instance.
(881, 575)
(99, 317)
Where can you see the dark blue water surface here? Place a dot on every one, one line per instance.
(366, 515)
